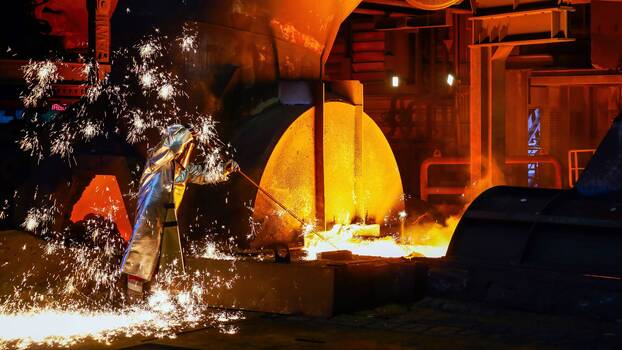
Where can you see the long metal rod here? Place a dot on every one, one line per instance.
(289, 211)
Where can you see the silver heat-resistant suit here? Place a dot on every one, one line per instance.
(162, 187)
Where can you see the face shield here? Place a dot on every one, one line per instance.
(177, 143)
(177, 139)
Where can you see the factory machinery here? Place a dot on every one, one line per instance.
(309, 144)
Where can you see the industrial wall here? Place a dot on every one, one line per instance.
(560, 98)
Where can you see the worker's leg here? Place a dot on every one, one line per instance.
(171, 256)
(143, 252)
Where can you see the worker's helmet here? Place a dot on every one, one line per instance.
(177, 138)
(174, 145)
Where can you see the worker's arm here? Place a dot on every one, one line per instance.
(197, 174)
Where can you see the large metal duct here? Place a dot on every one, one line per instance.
(243, 43)
(573, 230)
(544, 228)
(270, 39)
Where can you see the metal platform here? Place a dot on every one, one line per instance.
(313, 288)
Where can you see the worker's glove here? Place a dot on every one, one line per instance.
(231, 167)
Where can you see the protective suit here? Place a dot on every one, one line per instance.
(162, 187)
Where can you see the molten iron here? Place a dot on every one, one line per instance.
(429, 240)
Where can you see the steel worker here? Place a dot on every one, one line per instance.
(155, 238)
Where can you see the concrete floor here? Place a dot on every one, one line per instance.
(428, 324)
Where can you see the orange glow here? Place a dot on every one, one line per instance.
(380, 190)
(103, 197)
(289, 175)
(429, 240)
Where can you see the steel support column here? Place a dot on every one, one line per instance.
(496, 134)
(352, 90)
(479, 60)
(487, 113)
(358, 153)
(318, 150)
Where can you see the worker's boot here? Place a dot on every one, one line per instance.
(135, 291)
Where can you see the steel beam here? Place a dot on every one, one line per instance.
(478, 113)
(318, 154)
(576, 80)
(522, 27)
(496, 132)
(439, 19)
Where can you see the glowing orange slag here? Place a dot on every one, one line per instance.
(103, 197)
(429, 240)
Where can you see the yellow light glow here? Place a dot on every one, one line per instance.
(289, 175)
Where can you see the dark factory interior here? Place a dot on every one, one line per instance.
(298, 174)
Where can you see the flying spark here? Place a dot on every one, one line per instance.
(39, 78)
(166, 91)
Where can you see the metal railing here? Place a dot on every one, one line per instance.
(426, 190)
(543, 159)
(574, 170)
